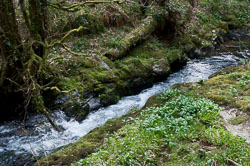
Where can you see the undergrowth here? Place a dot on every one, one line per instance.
(182, 131)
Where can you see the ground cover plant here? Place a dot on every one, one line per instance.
(183, 130)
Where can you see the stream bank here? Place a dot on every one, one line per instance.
(91, 82)
(196, 70)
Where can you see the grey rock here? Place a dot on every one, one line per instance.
(102, 63)
(94, 103)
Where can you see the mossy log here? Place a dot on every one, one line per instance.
(148, 25)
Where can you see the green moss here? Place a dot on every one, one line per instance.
(154, 101)
(238, 120)
(174, 55)
(141, 67)
(110, 96)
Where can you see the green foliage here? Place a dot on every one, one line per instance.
(115, 43)
(243, 80)
(163, 136)
(166, 95)
(176, 116)
(233, 91)
(221, 10)
(173, 54)
(154, 44)
(178, 6)
(78, 46)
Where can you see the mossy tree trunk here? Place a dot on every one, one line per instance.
(38, 21)
(11, 57)
(22, 63)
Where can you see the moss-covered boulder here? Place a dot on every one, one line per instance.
(101, 82)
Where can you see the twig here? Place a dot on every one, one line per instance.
(57, 89)
(72, 52)
(233, 162)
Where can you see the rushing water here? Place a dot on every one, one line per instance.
(18, 146)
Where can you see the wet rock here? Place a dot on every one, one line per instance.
(94, 103)
(139, 81)
(206, 50)
(220, 39)
(87, 94)
(160, 70)
(10, 158)
(232, 36)
(62, 99)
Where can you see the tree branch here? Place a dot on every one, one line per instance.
(75, 7)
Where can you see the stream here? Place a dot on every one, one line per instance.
(20, 147)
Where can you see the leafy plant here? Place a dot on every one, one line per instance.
(114, 43)
(234, 91)
(165, 129)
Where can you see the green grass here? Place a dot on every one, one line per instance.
(182, 131)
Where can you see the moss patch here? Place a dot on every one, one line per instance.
(238, 120)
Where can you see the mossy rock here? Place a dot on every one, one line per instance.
(176, 58)
(75, 109)
(144, 65)
(238, 120)
(174, 55)
(110, 96)
(154, 101)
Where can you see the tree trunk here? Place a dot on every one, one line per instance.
(38, 18)
(11, 58)
(10, 43)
